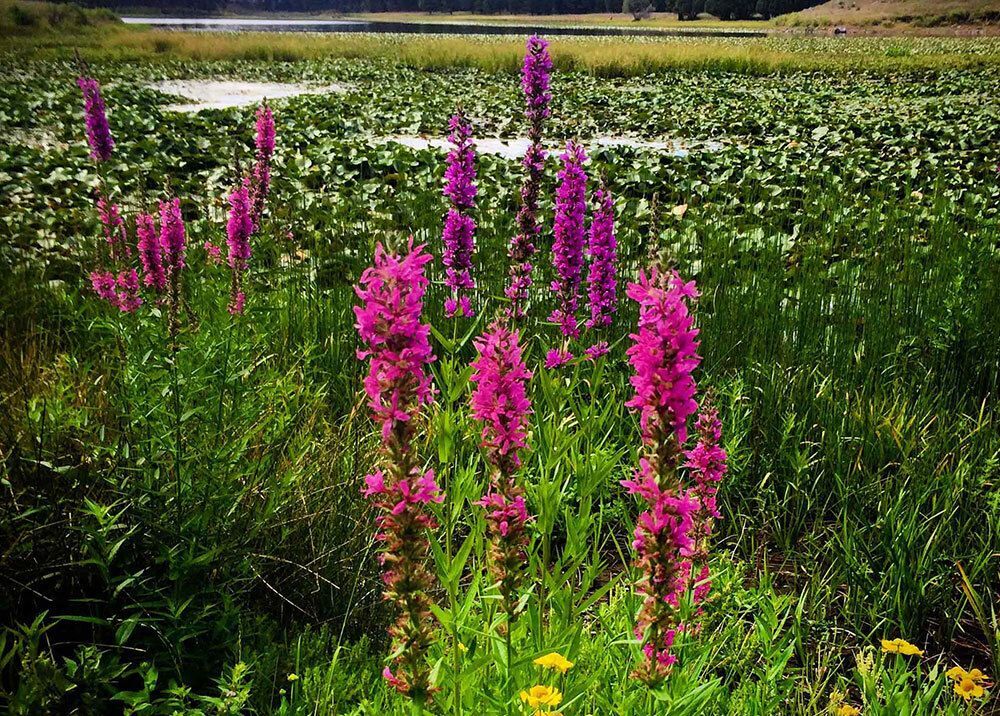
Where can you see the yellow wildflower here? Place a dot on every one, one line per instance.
(541, 695)
(848, 710)
(957, 673)
(462, 647)
(293, 677)
(554, 661)
(900, 646)
(968, 689)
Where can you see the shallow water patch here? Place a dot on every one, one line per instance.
(223, 94)
(515, 148)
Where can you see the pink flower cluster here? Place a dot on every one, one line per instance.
(114, 228)
(397, 343)
(663, 355)
(260, 178)
(535, 75)
(500, 402)
(670, 536)
(500, 399)
(389, 322)
(459, 226)
(706, 463)
(238, 229)
(602, 284)
(154, 274)
(121, 290)
(98, 131)
(570, 238)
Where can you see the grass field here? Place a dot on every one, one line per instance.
(898, 13)
(184, 528)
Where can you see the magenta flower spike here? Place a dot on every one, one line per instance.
(238, 230)
(535, 74)
(114, 229)
(459, 227)
(95, 115)
(570, 238)
(602, 283)
(500, 403)
(663, 356)
(396, 344)
(706, 462)
(260, 179)
(154, 275)
(173, 246)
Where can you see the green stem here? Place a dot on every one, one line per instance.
(177, 426)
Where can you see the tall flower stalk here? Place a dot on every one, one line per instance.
(459, 226)
(663, 356)
(706, 462)
(154, 274)
(602, 284)
(238, 230)
(99, 137)
(398, 385)
(260, 178)
(570, 238)
(535, 75)
(500, 404)
(173, 248)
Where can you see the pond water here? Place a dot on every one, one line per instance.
(254, 24)
(516, 147)
(222, 94)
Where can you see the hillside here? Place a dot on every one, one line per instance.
(916, 13)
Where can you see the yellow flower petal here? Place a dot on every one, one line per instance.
(554, 661)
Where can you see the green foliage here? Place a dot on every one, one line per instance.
(185, 530)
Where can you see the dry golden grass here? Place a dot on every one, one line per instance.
(919, 13)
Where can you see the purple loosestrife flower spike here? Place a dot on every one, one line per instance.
(706, 462)
(601, 282)
(535, 83)
(238, 230)
(154, 274)
(98, 132)
(570, 238)
(500, 403)
(396, 344)
(173, 244)
(663, 355)
(459, 226)
(114, 229)
(260, 180)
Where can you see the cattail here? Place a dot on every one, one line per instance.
(238, 230)
(663, 356)
(570, 238)
(459, 226)
(98, 132)
(535, 84)
(396, 344)
(260, 179)
(601, 281)
(500, 403)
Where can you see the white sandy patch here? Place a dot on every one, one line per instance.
(222, 94)
(516, 148)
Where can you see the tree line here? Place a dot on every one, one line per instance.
(684, 9)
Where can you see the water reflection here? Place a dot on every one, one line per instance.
(230, 24)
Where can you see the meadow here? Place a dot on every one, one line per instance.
(185, 529)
